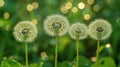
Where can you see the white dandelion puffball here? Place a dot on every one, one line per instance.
(78, 30)
(100, 29)
(56, 25)
(25, 31)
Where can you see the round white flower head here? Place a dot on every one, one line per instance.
(25, 31)
(56, 25)
(78, 30)
(100, 29)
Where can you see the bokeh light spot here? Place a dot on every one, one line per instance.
(96, 8)
(87, 17)
(107, 45)
(81, 5)
(74, 9)
(68, 5)
(29, 7)
(93, 59)
(90, 2)
(2, 3)
(64, 10)
(35, 5)
(6, 15)
(34, 21)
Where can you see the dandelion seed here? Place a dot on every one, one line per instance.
(56, 22)
(80, 29)
(100, 29)
(25, 28)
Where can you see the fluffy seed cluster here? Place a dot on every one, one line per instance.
(25, 31)
(56, 22)
(78, 30)
(100, 29)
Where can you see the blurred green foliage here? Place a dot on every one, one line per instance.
(9, 47)
(106, 62)
(10, 63)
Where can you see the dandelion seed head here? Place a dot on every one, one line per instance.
(25, 28)
(102, 27)
(56, 22)
(80, 29)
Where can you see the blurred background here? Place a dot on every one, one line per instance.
(85, 11)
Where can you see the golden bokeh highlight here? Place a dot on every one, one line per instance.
(34, 21)
(96, 8)
(107, 45)
(29, 7)
(90, 2)
(81, 5)
(35, 5)
(6, 15)
(64, 10)
(93, 59)
(87, 17)
(2, 3)
(74, 9)
(68, 5)
(43, 55)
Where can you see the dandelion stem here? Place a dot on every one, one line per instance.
(77, 48)
(56, 51)
(26, 53)
(97, 53)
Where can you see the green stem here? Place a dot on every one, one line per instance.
(56, 51)
(77, 47)
(26, 54)
(97, 53)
